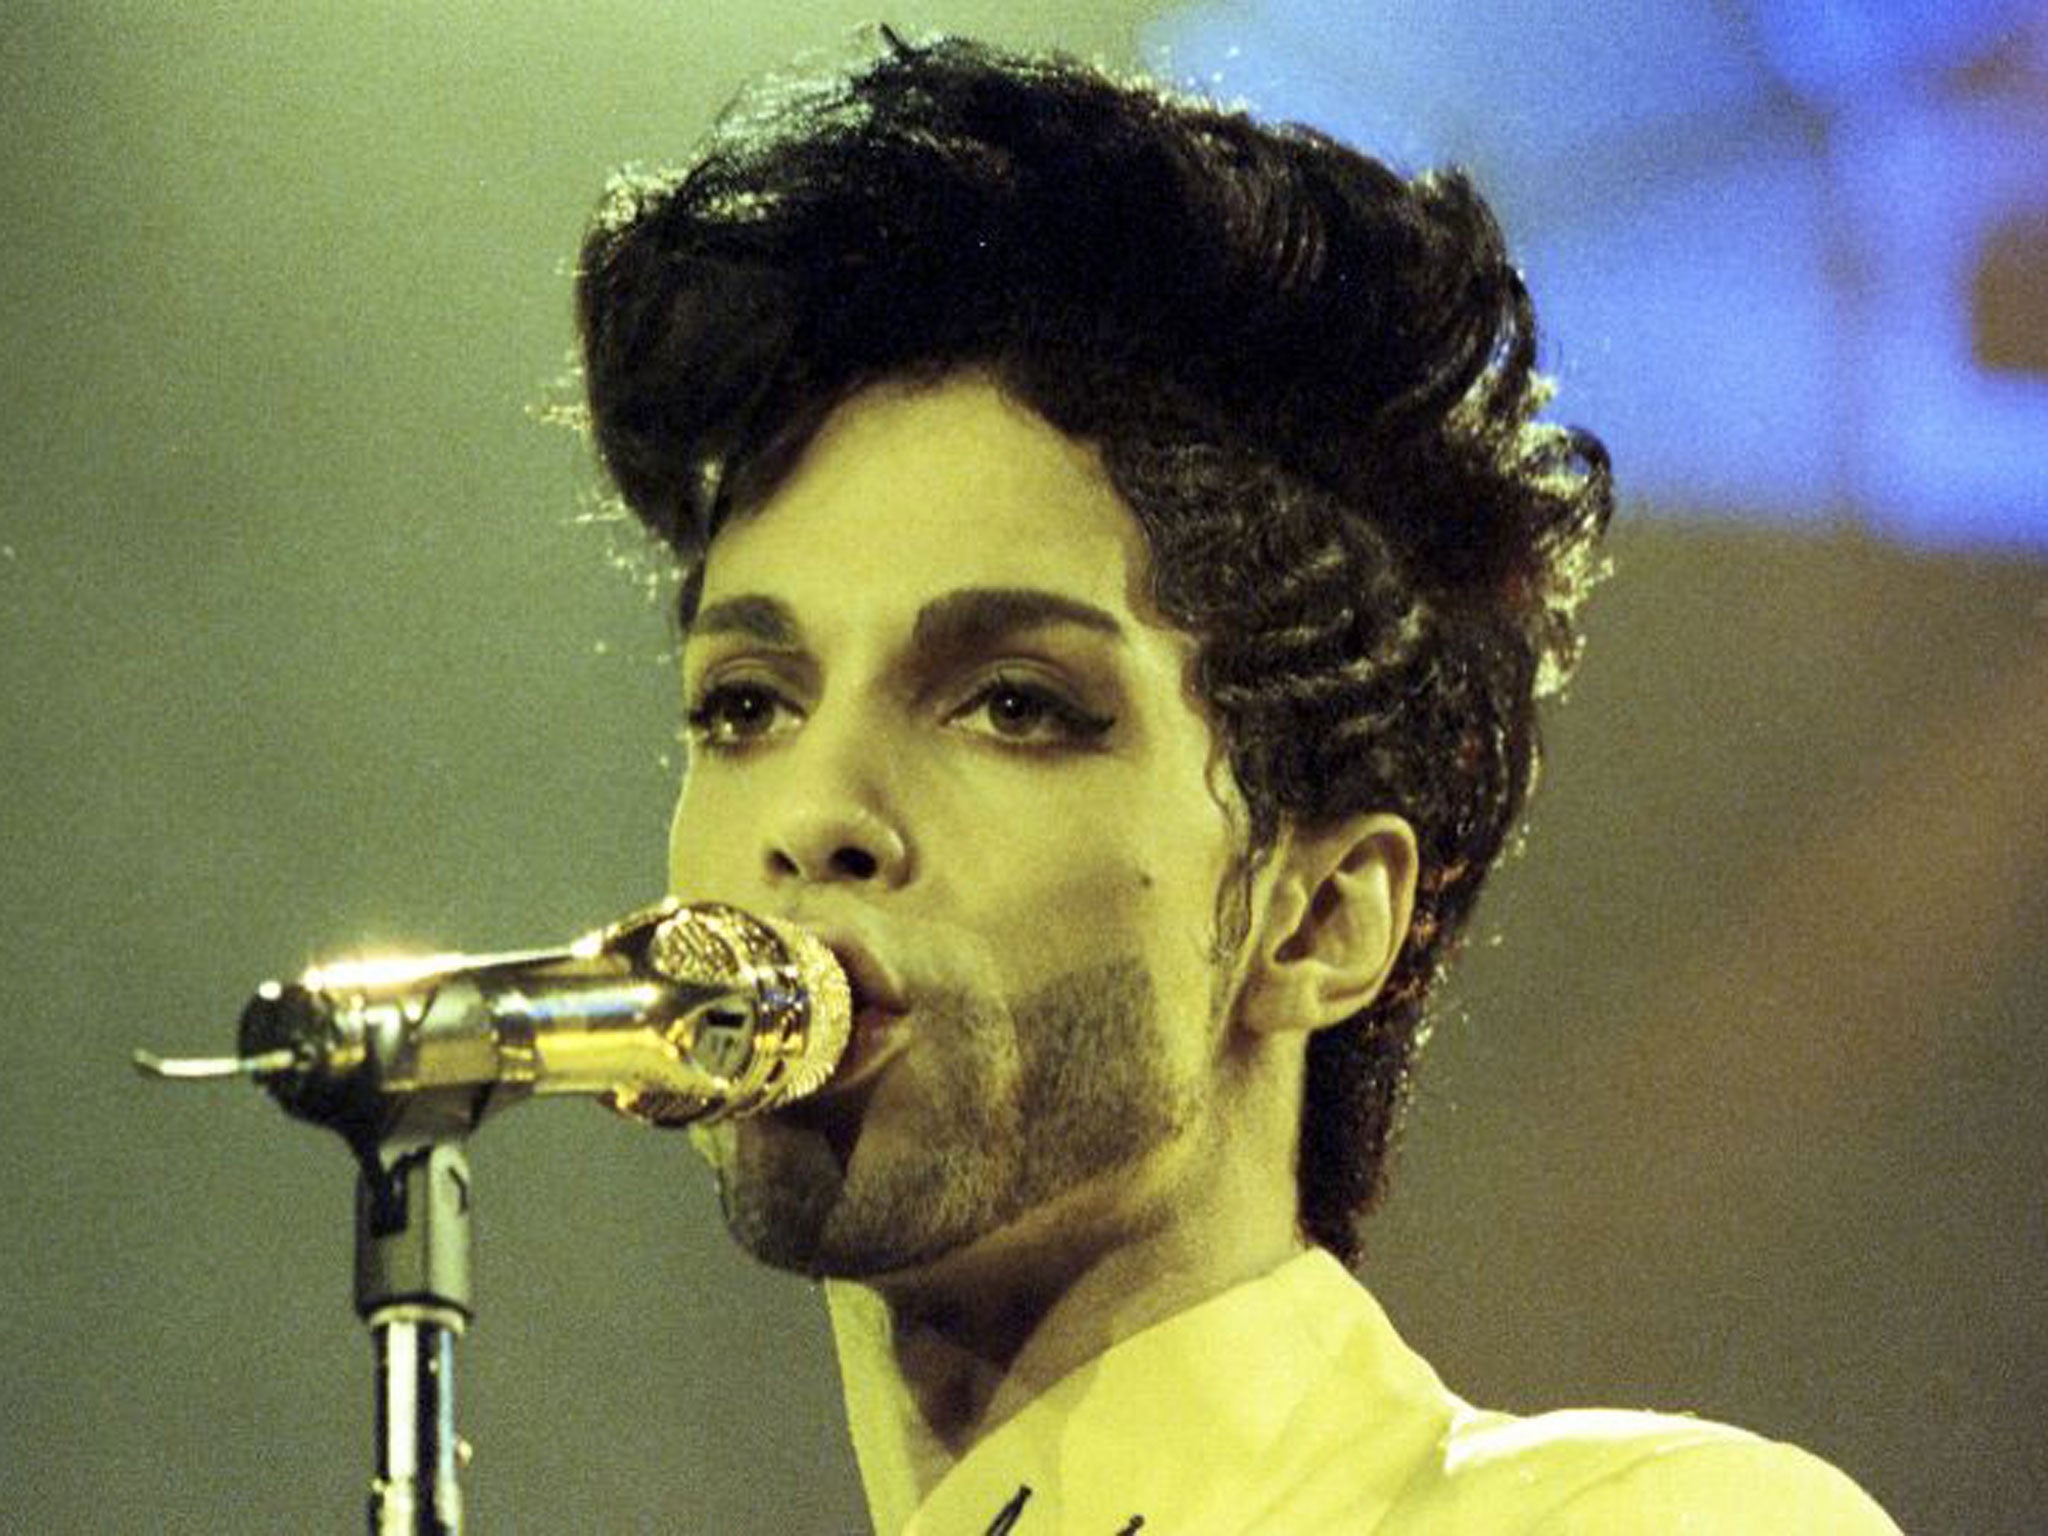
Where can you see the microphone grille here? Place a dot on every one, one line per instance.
(799, 1001)
(828, 1002)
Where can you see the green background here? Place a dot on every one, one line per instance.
(308, 647)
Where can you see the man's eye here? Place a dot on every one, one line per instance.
(1026, 712)
(734, 714)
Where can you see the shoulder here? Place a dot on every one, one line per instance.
(1598, 1472)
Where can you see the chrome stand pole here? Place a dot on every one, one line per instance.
(413, 1290)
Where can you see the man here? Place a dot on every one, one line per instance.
(1119, 563)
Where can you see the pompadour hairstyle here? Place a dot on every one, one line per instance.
(1312, 379)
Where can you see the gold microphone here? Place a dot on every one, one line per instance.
(672, 1015)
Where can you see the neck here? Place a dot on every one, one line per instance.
(936, 1362)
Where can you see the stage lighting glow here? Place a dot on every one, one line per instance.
(1758, 236)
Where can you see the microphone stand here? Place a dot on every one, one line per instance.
(671, 1013)
(412, 1222)
(413, 1292)
(412, 1249)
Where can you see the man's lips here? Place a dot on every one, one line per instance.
(878, 1008)
(877, 1035)
(873, 984)
(838, 1110)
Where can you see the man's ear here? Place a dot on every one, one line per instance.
(1339, 904)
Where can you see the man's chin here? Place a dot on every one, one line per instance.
(816, 1195)
(778, 1183)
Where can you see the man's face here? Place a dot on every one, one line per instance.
(934, 718)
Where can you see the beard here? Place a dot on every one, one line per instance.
(995, 1108)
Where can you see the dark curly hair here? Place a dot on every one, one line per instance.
(1311, 378)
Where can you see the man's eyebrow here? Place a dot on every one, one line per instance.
(767, 619)
(975, 618)
(971, 618)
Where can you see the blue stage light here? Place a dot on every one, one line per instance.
(1756, 236)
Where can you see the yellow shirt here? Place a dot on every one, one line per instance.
(1288, 1406)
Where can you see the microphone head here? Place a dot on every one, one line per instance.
(780, 1035)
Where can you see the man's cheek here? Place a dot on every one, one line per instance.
(1091, 908)
(699, 861)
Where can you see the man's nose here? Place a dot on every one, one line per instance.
(834, 842)
(834, 826)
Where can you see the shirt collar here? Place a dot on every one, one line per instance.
(1184, 1420)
